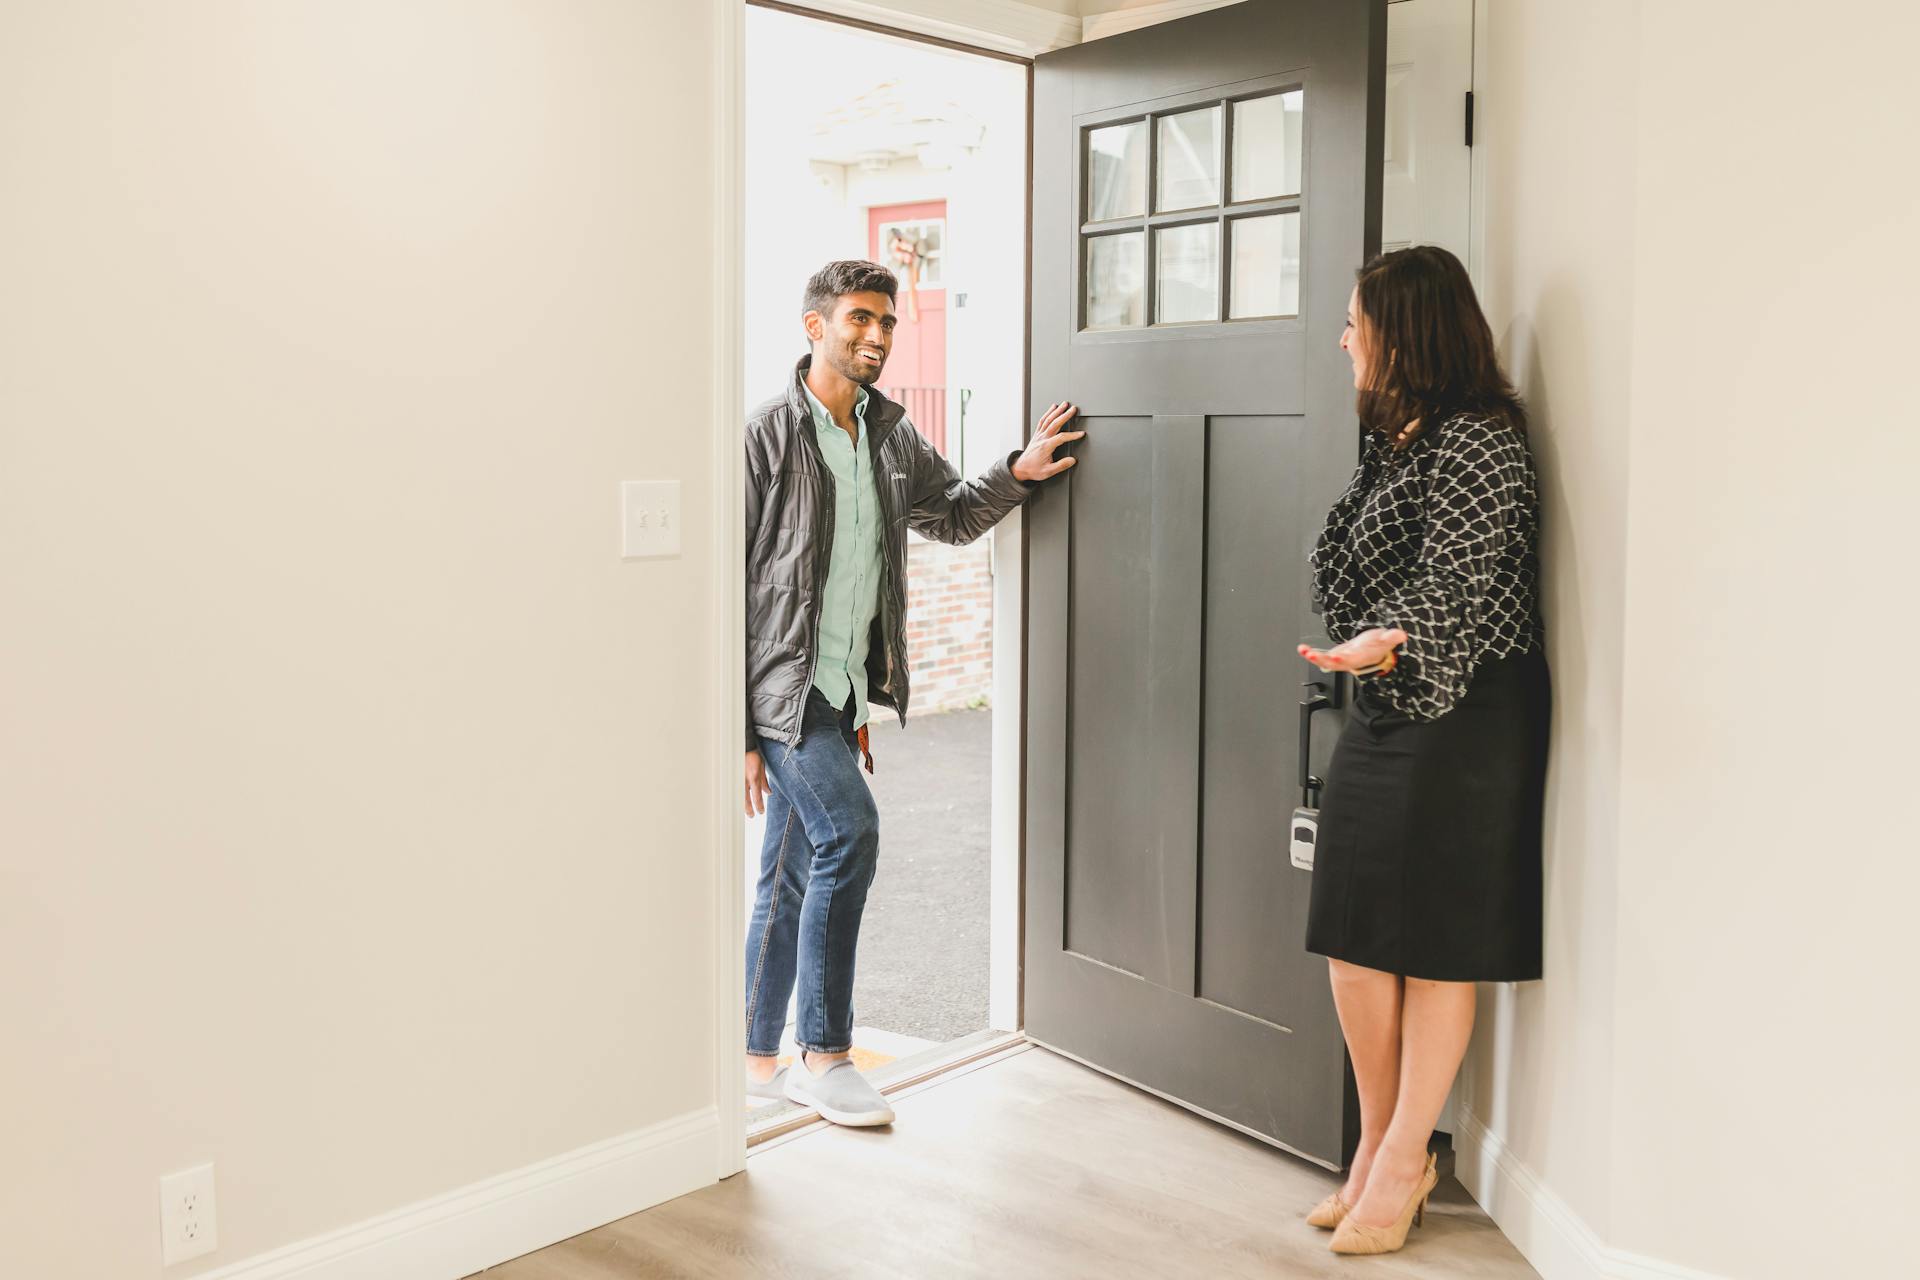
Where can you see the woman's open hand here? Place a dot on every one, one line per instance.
(1358, 654)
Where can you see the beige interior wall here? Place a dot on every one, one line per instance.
(1695, 241)
(1554, 124)
(1766, 1036)
(350, 783)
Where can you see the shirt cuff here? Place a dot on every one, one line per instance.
(1027, 485)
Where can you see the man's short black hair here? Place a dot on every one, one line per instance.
(850, 275)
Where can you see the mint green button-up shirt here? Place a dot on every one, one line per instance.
(852, 592)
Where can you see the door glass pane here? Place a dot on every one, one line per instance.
(1187, 274)
(1266, 146)
(1117, 171)
(1116, 280)
(1189, 160)
(1266, 267)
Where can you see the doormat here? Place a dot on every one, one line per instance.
(864, 1060)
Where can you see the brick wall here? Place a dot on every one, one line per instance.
(949, 623)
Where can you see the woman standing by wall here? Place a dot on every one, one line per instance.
(1427, 874)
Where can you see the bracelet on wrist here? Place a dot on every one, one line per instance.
(1380, 668)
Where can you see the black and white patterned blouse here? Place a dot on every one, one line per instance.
(1438, 539)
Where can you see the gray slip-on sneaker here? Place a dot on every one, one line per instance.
(773, 1089)
(841, 1095)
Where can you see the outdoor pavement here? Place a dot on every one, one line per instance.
(923, 946)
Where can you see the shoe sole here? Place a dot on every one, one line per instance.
(851, 1119)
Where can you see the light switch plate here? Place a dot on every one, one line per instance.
(649, 518)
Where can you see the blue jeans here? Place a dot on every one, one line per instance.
(822, 845)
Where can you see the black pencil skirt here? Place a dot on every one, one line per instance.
(1428, 857)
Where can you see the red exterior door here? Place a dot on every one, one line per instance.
(910, 240)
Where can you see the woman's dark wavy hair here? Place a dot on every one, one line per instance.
(1431, 352)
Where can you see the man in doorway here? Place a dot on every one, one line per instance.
(835, 476)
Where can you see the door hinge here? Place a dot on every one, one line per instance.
(1469, 117)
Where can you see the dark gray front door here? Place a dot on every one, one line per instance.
(1203, 191)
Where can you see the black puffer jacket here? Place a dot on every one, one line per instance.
(790, 536)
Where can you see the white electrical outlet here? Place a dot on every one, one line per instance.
(650, 518)
(187, 1228)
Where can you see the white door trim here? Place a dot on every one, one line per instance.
(1008, 760)
(728, 612)
(1004, 26)
(1098, 26)
(1477, 181)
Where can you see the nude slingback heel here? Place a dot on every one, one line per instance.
(1356, 1238)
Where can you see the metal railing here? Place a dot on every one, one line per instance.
(927, 409)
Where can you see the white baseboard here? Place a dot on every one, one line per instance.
(480, 1226)
(1542, 1226)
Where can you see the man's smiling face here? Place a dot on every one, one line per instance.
(855, 340)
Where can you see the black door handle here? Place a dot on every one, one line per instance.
(1321, 696)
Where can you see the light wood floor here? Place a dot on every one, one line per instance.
(1029, 1166)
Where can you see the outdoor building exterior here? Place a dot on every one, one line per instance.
(913, 160)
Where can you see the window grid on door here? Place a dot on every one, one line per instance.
(1191, 215)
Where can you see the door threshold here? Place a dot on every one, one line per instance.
(921, 1072)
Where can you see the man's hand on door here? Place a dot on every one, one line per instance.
(1036, 462)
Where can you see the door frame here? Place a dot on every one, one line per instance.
(728, 610)
(1477, 162)
(1026, 30)
(1041, 30)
